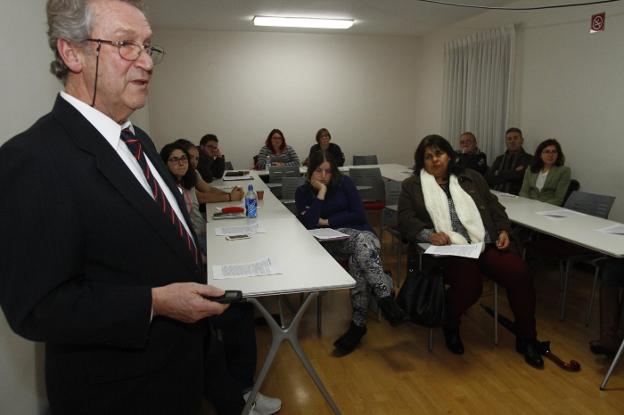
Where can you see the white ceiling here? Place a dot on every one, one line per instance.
(372, 17)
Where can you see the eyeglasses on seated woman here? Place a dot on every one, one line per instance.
(444, 204)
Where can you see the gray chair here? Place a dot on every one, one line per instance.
(595, 205)
(370, 184)
(289, 187)
(389, 222)
(364, 160)
(371, 188)
(276, 174)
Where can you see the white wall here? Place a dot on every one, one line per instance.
(240, 85)
(568, 85)
(27, 93)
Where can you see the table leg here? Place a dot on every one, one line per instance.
(280, 335)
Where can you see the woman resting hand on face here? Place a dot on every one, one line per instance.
(331, 200)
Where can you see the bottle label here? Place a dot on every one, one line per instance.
(252, 208)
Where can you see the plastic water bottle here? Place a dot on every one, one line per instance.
(251, 202)
(268, 163)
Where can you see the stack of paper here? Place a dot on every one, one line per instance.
(246, 269)
(328, 234)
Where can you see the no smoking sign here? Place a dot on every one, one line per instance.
(597, 23)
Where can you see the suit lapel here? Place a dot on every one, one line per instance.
(150, 150)
(108, 162)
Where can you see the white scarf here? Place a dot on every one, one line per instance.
(437, 206)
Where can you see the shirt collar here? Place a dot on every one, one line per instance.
(105, 125)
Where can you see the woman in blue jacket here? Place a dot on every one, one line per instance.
(330, 200)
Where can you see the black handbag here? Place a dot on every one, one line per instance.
(422, 294)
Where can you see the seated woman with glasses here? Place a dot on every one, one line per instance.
(322, 143)
(276, 152)
(444, 204)
(547, 179)
(177, 158)
(330, 200)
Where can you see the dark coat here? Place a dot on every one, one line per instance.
(82, 245)
(507, 171)
(210, 168)
(413, 216)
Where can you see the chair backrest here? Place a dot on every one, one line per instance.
(228, 165)
(370, 178)
(393, 190)
(590, 203)
(389, 214)
(572, 187)
(364, 160)
(290, 185)
(277, 172)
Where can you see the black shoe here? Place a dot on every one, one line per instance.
(531, 353)
(453, 341)
(597, 348)
(391, 310)
(349, 341)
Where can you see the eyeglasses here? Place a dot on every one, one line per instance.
(178, 160)
(549, 151)
(131, 51)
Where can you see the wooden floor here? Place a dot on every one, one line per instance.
(392, 372)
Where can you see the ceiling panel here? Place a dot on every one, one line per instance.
(372, 17)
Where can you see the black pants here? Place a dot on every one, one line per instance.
(231, 358)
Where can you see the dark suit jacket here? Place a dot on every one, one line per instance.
(507, 172)
(82, 245)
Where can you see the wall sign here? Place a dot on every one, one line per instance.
(597, 23)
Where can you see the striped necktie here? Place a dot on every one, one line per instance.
(159, 197)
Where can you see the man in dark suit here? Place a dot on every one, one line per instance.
(98, 260)
(507, 172)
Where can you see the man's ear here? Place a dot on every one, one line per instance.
(72, 56)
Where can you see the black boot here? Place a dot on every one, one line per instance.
(391, 310)
(349, 341)
(453, 341)
(531, 353)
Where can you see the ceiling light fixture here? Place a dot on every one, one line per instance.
(304, 22)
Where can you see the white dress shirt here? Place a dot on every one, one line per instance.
(111, 131)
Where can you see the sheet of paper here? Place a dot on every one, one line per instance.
(502, 194)
(240, 230)
(466, 251)
(257, 268)
(327, 234)
(559, 213)
(617, 229)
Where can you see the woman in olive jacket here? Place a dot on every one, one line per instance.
(547, 179)
(443, 204)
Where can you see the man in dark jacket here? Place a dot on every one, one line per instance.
(469, 156)
(211, 161)
(507, 172)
